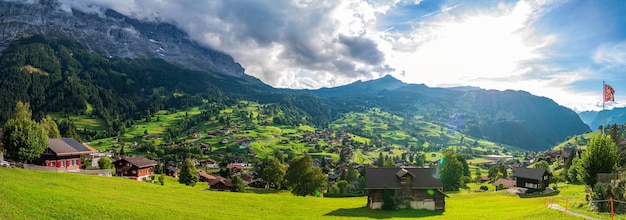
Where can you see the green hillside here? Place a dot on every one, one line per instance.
(252, 133)
(577, 141)
(59, 75)
(27, 194)
(581, 141)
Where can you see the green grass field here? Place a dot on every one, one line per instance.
(26, 194)
(578, 141)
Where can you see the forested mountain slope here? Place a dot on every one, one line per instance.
(80, 63)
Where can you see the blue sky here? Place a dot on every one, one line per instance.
(560, 49)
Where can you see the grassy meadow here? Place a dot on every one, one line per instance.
(27, 194)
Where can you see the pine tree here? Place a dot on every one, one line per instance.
(188, 174)
(51, 127)
(451, 171)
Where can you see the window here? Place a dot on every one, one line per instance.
(404, 180)
(531, 185)
(53, 163)
(134, 172)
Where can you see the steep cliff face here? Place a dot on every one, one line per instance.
(111, 34)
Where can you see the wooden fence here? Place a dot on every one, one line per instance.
(103, 172)
(607, 177)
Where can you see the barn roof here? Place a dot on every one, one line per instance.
(529, 173)
(205, 175)
(68, 146)
(140, 161)
(506, 183)
(381, 178)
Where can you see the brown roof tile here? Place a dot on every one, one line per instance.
(227, 182)
(140, 161)
(206, 175)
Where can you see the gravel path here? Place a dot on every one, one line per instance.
(560, 208)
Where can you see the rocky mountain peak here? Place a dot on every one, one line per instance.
(111, 34)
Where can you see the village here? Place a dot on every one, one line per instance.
(412, 182)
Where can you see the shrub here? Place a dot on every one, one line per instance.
(162, 179)
(601, 191)
(389, 200)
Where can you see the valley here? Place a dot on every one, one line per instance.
(180, 130)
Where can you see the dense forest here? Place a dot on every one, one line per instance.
(60, 75)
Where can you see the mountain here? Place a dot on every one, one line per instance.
(515, 118)
(387, 82)
(119, 69)
(111, 34)
(594, 118)
(587, 117)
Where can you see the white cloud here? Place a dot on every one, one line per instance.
(313, 44)
(455, 49)
(612, 55)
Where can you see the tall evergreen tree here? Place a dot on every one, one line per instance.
(451, 171)
(381, 160)
(466, 171)
(50, 126)
(21, 111)
(351, 175)
(188, 174)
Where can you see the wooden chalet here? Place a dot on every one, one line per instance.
(530, 178)
(63, 154)
(135, 167)
(221, 184)
(417, 187)
(205, 177)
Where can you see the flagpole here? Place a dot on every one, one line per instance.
(603, 99)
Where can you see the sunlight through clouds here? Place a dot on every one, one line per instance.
(458, 50)
(552, 48)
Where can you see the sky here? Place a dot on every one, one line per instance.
(560, 49)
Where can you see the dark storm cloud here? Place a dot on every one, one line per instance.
(273, 40)
(363, 49)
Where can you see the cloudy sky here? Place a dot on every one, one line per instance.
(561, 49)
